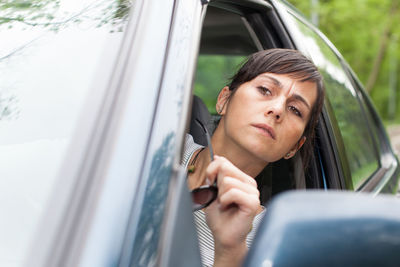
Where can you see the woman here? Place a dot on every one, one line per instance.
(268, 112)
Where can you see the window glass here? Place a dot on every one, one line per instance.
(368, 110)
(49, 54)
(359, 147)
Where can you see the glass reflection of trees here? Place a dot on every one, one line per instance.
(44, 13)
(352, 123)
(148, 233)
(50, 55)
(48, 15)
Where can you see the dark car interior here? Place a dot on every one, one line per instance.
(230, 34)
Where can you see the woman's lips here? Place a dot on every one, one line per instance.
(265, 129)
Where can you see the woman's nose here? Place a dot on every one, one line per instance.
(275, 109)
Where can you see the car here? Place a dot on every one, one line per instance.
(96, 99)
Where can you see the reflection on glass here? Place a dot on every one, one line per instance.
(49, 53)
(152, 212)
(358, 143)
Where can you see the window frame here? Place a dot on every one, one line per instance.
(260, 16)
(176, 84)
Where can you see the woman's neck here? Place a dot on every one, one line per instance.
(241, 158)
(223, 146)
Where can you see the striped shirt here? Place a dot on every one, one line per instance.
(206, 240)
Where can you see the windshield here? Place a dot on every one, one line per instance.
(50, 52)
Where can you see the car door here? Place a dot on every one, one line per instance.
(57, 62)
(110, 198)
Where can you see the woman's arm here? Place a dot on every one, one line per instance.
(230, 217)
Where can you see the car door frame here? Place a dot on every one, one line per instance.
(173, 107)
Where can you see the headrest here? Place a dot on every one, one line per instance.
(199, 111)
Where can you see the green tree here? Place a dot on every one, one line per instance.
(363, 31)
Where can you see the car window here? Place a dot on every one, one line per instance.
(359, 146)
(227, 39)
(49, 55)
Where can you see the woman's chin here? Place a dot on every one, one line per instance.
(262, 152)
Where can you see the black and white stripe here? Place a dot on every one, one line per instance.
(206, 240)
(190, 148)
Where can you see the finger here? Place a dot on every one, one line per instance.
(227, 183)
(212, 170)
(228, 169)
(248, 203)
(221, 167)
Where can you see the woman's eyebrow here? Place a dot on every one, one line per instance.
(301, 99)
(275, 81)
(279, 84)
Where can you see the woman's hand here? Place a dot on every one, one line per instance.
(230, 217)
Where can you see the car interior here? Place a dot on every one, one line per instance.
(229, 34)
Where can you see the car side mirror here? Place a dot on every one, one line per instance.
(317, 228)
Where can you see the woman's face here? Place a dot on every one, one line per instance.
(267, 115)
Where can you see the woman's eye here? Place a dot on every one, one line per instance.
(264, 90)
(295, 111)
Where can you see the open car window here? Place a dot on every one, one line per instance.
(231, 33)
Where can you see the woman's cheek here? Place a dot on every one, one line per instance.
(294, 133)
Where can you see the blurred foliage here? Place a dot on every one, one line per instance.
(32, 12)
(366, 32)
(213, 73)
(360, 152)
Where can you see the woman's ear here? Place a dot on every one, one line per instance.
(222, 99)
(296, 148)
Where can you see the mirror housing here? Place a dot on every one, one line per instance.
(320, 228)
